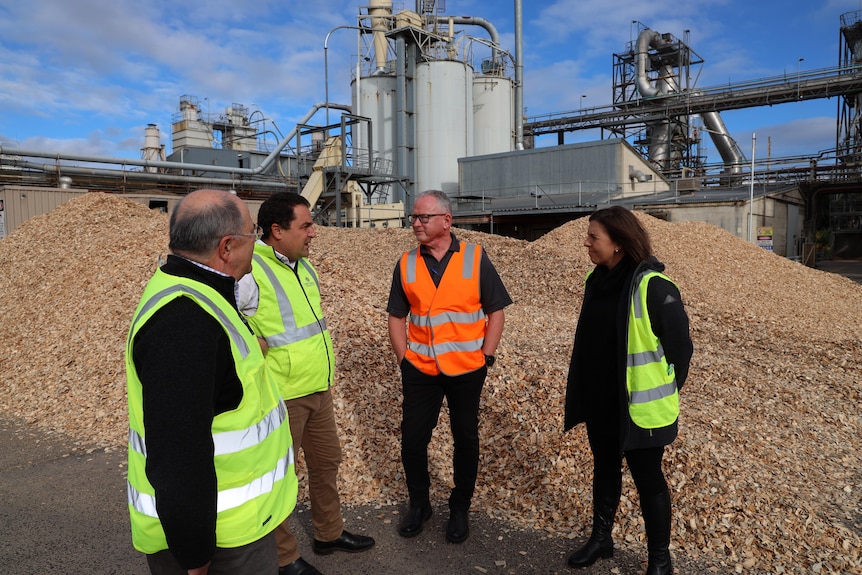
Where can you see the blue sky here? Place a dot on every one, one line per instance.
(88, 76)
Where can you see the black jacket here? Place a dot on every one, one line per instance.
(596, 386)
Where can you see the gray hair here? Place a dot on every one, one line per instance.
(441, 197)
(198, 230)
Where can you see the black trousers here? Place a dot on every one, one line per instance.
(644, 464)
(423, 398)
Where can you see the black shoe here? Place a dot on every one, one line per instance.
(595, 548)
(347, 542)
(298, 567)
(459, 526)
(414, 520)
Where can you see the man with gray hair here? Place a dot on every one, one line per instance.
(211, 469)
(451, 298)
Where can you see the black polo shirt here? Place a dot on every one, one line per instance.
(492, 292)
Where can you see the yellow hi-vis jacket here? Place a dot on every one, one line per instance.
(447, 324)
(650, 380)
(290, 319)
(253, 457)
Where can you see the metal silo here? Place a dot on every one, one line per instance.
(377, 102)
(444, 123)
(493, 115)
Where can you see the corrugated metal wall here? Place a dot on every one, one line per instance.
(585, 167)
(22, 203)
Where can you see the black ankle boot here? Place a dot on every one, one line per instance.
(599, 546)
(657, 517)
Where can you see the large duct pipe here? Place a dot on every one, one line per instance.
(661, 133)
(519, 77)
(473, 21)
(380, 12)
(132, 175)
(267, 163)
(724, 143)
(666, 82)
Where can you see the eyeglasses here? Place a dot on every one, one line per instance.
(422, 217)
(256, 234)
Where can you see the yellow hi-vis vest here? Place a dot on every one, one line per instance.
(290, 319)
(650, 380)
(447, 324)
(253, 456)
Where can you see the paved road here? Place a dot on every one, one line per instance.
(63, 511)
(851, 269)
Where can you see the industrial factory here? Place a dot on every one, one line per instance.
(437, 103)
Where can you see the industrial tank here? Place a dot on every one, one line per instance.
(444, 123)
(377, 102)
(493, 115)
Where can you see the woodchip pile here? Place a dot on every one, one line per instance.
(765, 475)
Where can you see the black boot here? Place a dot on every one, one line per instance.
(600, 545)
(657, 517)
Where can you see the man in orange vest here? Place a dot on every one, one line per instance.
(451, 298)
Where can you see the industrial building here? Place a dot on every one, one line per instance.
(468, 137)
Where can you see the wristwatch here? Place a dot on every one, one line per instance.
(489, 360)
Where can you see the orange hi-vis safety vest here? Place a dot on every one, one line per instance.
(447, 324)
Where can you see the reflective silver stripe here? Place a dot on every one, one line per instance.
(637, 305)
(234, 441)
(310, 269)
(447, 347)
(137, 443)
(291, 333)
(298, 334)
(469, 257)
(470, 251)
(227, 499)
(230, 441)
(141, 502)
(447, 317)
(237, 496)
(645, 357)
(411, 265)
(654, 394)
(232, 331)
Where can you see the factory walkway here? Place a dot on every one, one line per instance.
(64, 512)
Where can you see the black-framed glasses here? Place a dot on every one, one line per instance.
(422, 217)
(256, 234)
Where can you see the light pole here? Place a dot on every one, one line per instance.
(326, 66)
(751, 188)
(582, 102)
(798, 71)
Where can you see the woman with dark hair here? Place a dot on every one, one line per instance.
(630, 359)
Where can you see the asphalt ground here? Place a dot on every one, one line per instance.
(63, 510)
(851, 269)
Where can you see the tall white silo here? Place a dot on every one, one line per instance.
(153, 149)
(444, 123)
(377, 102)
(493, 115)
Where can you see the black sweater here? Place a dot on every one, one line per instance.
(182, 356)
(596, 389)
